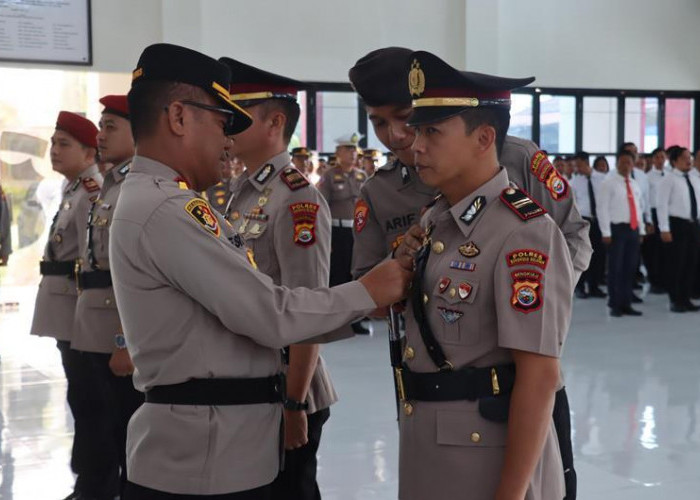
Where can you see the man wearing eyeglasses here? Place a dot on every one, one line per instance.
(203, 326)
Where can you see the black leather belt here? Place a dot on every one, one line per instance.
(221, 391)
(57, 268)
(95, 279)
(455, 385)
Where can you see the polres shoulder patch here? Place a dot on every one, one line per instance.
(304, 219)
(521, 204)
(294, 179)
(202, 213)
(361, 215)
(542, 168)
(90, 185)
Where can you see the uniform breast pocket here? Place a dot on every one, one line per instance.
(454, 311)
(468, 428)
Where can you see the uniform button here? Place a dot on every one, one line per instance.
(438, 247)
(408, 409)
(453, 292)
(425, 298)
(475, 437)
(108, 302)
(409, 353)
(58, 238)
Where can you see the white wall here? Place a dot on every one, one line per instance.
(634, 44)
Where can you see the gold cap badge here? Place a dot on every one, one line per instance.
(416, 79)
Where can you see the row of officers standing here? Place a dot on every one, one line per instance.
(219, 316)
(642, 217)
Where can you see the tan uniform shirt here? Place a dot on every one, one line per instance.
(513, 292)
(192, 306)
(287, 223)
(527, 167)
(341, 190)
(218, 195)
(390, 202)
(96, 316)
(5, 224)
(55, 301)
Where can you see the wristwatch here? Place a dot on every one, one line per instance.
(119, 341)
(290, 404)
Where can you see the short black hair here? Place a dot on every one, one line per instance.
(624, 152)
(148, 100)
(657, 150)
(626, 145)
(676, 153)
(498, 118)
(582, 155)
(290, 109)
(559, 158)
(670, 149)
(598, 159)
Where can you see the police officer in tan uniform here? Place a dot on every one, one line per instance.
(98, 332)
(391, 201)
(287, 224)
(73, 151)
(203, 326)
(370, 161)
(340, 186)
(301, 159)
(5, 224)
(489, 310)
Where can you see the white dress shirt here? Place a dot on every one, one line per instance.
(612, 206)
(579, 184)
(654, 177)
(640, 176)
(673, 198)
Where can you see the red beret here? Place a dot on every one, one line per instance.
(82, 129)
(116, 105)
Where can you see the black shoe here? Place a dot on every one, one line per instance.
(636, 300)
(581, 294)
(678, 308)
(615, 313)
(359, 329)
(657, 290)
(597, 293)
(691, 307)
(628, 311)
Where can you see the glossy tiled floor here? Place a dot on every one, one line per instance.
(633, 384)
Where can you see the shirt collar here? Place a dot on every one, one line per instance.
(259, 179)
(152, 167)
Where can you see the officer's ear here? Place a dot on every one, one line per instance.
(175, 117)
(486, 137)
(278, 120)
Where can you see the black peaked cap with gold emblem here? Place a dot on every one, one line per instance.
(172, 63)
(440, 91)
(380, 77)
(302, 151)
(249, 83)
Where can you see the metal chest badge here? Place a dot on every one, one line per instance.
(444, 283)
(469, 249)
(450, 315)
(464, 290)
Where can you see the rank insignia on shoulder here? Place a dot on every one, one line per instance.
(450, 315)
(527, 291)
(462, 265)
(200, 211)
(525, 256)
(182, 183)
(265, 173)
(90, 185)
(304, 218)
(338, 178)
(360, 177)
(361, 215)
(521, 204)
(473, 210)
(469, 249)
(294, 179)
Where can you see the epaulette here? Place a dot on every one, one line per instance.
(293, 179)
(521, 204)
(90, 185)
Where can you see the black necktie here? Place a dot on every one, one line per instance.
(591, 197)
(693, 201)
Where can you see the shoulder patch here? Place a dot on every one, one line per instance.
(90, 185)
(528, 291)
(542, 168)
(361, 215)
(304, 218)
(294, 179)
(202, 213)
(557, 185)
(525, 256)
(521, 204)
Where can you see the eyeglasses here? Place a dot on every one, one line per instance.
(230, 115)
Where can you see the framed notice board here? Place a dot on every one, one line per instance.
(46, 31)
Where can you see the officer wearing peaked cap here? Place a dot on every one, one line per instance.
(286, 222)
(489, 309)
(393, 198)
(301, 160)
(203, 326)
(73, 151)
(340, 186)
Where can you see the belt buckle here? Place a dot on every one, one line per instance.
(400, 389)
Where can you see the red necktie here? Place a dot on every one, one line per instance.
(633, 207)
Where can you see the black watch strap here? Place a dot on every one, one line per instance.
(290, 404)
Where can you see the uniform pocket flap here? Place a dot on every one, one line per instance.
(99, 299)
(59, 285)
(468, 428)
